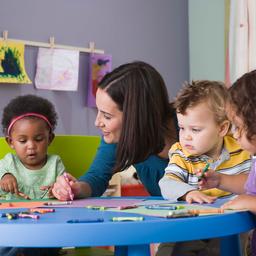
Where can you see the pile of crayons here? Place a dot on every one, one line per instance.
(29, 214)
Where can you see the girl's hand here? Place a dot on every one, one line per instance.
(210, 179)
(8, 183)
(247, 202)
(64, 186)
(195, 196)
(47, 191)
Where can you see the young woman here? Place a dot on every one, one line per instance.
(138, 127)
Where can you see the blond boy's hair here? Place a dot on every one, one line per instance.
(212, 92)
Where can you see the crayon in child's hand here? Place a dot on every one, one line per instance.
(206, 168)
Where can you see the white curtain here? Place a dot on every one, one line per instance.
(241, 39)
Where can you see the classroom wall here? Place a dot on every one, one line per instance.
(206, 39)
(148, 30)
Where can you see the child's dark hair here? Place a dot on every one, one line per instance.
(28, 104)
(243, 100)
(212, 92)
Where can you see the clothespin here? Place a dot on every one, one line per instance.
(92, 47)
(5, 35)
(51, 40)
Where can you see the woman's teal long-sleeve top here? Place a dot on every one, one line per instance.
(99, 174)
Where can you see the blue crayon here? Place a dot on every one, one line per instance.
(85, 220)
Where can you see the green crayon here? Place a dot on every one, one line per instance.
(206, 168)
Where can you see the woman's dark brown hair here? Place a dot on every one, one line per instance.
(140, 93)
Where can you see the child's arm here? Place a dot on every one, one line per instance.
(232, 183)
(175, 184)
(242, 202)
(173, 190)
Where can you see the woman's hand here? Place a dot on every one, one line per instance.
(241, 202)
(64, 186)
(8, 183)
(195, 196)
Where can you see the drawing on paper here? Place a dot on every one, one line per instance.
(99, 66)
(12, 68)
(57, 69)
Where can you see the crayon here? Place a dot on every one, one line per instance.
(127, 207)
(26, 215)
(91, 207)
(118, 219)
(71, 195)
(161, 207)
(24, 196)
(41, 210)
(45, 193)
(206, 168)
(205, 211)
(11, 216)
(59, 203)
(181, 214)
(180, 207)
(85, 220)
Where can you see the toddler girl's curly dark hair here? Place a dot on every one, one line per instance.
(22, 105)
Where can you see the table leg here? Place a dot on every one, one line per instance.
(230, 246)
(121, 250)
(133, 250)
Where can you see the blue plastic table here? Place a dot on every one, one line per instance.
(129, 238)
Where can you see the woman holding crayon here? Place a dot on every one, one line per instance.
(138, 127)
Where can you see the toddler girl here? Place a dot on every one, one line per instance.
(28, 124)
(241, 112)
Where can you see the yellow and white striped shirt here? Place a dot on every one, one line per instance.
(180, 174)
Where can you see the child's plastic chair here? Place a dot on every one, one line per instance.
(76, 151)
(4, 147)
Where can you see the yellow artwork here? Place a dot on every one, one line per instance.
(12, 68)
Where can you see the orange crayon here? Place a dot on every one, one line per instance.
(206, 211)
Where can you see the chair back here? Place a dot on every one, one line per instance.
(4, 148)
(76, 151)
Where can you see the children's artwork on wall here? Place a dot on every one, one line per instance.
(12, 68)
(99, 66)
(57, 69)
